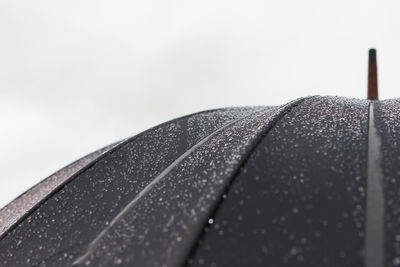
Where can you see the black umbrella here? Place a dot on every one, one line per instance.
(310, 183)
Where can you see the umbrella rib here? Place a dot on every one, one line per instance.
(94, 243)
(374, 239)
(217, 206)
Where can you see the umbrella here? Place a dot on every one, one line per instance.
(310, 183)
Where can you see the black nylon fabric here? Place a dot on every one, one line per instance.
(20, 207)
(300, 198)
(387, 121)
(56, 232)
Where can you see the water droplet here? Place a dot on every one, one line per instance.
(396, 261)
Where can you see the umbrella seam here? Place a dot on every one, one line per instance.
(87, 167)
(374, 226)
(245, 159)
(93, 244)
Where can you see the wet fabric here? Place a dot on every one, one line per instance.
(387, 114)
(22, 205)
(300, 198)
(254, 186)
(62, 228)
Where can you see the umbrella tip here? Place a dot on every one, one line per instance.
(372, 75)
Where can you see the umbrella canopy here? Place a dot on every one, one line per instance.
(310, 183)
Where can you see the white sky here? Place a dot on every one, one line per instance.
(77, 75)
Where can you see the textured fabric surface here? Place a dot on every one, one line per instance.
(13, 212)
(300, 198)
(253, 186)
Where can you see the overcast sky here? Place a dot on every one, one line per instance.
(77, 75)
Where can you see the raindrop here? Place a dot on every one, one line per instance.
(396, 261)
